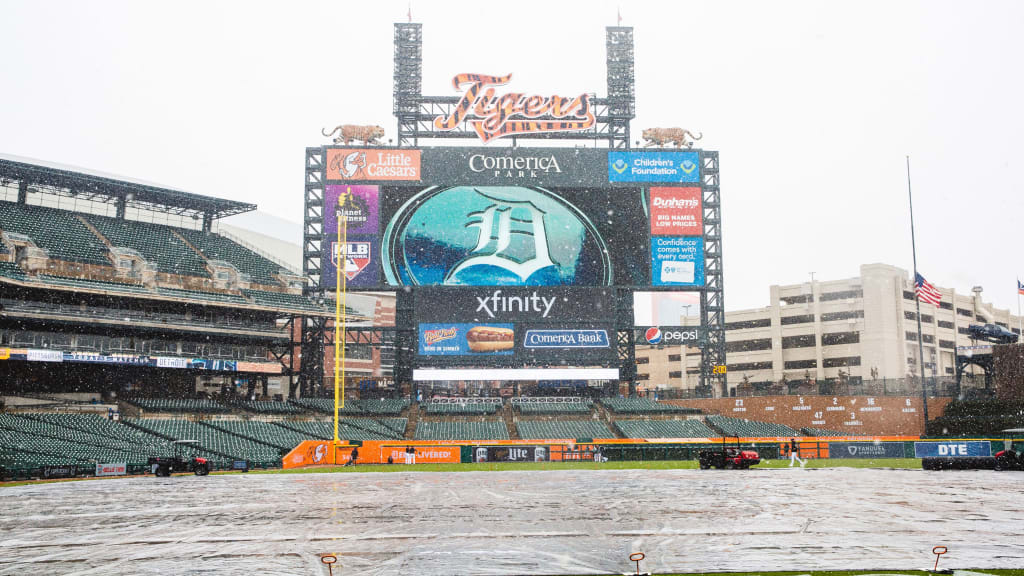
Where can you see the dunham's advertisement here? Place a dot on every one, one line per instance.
(676, 212)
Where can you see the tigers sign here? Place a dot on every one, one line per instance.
(493, 116)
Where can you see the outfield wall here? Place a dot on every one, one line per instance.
(860, 415)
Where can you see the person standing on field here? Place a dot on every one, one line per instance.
(794, 453)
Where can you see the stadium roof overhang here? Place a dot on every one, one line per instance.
(75, 182)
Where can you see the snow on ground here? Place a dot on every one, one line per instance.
(558, 522)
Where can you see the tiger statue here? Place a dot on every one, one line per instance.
(662, 136)
(349, 132)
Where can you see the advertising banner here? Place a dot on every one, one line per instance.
(661, 166)
(421, 454)
(568, 338)
(361, 164)
(361, 267)
(5, 353)
(91, 358)
(118, 469)
(676, 212)
(466, 339)
(677, 261)
(952, 449)
(210, 364)
(511, 454)
(865, 450)
(361, 209)
(59, 471)
(512, 304)
(164, 362)
(671, 335)
(45, 356)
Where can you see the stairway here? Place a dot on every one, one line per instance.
(508, 415)
(414, 418)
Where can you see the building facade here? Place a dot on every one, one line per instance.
(849, 331)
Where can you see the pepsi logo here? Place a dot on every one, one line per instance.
(653, 335)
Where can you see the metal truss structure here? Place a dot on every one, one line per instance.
(712, 301)
(415, 112)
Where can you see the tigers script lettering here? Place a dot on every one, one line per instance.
(515, 112)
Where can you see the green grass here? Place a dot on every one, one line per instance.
(994, 572)
(910, 463)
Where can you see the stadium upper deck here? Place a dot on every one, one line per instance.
(84, 279)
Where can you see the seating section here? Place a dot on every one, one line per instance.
(533, 430)
(378, 407)
(59, 232)
(13, 271)
(449, 407)
(553, 405)
(194, 295)
(644, 406)
(265, 432)
(664, 429)
(154, 242)
(93, 284)
(216, 247)
(214, 440)
(749, 428)
(280, 300)
(461, 431)
(49, 441)
(350, 428)
(270, 407)
(177, 405)
(826, 433)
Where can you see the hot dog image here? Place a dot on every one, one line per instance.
(490, 339)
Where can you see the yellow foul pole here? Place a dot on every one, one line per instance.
(339, 304)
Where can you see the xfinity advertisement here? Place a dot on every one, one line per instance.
(520, 305)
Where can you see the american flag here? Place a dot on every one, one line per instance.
(1020, 287)
(926, 292)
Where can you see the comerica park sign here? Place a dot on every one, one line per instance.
(494, 116)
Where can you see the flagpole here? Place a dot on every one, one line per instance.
(1018, 309)
(917, 301)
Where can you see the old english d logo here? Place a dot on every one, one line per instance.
(493, 236)
(357, 256)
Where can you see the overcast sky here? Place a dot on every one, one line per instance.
(812, 105)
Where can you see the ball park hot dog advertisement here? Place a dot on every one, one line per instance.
(466, 339)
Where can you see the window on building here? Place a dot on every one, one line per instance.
(961, 330)
(945, 324)
(749, 345)
(802, 341)
(911, 336)
(643, 360)
(849, 315)
(841, 362)
(926, 319)
(786, 320)
(946, 305)
(949, 370)
(947, 344)
(909, 315)
(800, 364)
(1015, 330)
(1003, 324)
(801, 299)
(928, 339)
(837, 338)
(641, 376)
(965, 312)
(759, 323)
(678, 374)
(674, 357)
(908, 295)
(693, 371)
(980, 318)
(749, 366)
(844, 295)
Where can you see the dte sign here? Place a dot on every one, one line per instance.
(951, 449)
